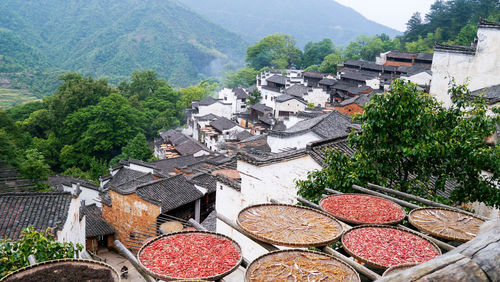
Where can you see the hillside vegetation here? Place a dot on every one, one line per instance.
(306, 21)
(111, 39)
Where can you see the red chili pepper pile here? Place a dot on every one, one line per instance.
(363, 208)
(388, 246)
(190, 256)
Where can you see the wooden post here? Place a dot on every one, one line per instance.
(309, 203)
(368, 191)
(360, 268)
(132, 260)
(233, 225)
(197, 225)
(416, 198)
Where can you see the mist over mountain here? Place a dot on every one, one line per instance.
(310, 20)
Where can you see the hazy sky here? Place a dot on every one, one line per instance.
(392, 13)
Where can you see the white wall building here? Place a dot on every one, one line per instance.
(479, 64)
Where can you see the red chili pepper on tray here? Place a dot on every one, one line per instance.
(190, 256)
(363, 208)
(388, 246)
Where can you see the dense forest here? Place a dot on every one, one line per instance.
(110, 39)
(449, 22)
(87, 124)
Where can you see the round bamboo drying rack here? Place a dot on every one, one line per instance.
(398, 268)
(289, 210)
(29, 270)
(455, 225)
(374, 264)
(211, 278)
(293, 252)
(355, 222)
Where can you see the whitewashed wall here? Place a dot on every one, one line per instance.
(482, 69)
(317, 96)
(73, 230)
(292, 105)
(300, 141)
(268, 97)
(422, 78)
(219, 109)
(90, 196)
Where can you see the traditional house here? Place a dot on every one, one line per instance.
(329, 125)
(175, 143)
(236, 96)
(287, 105)
(89, 193)
(353, 105)
(478, 65)
(211, 105)
(57, 211)
(130, 207)
(312, 79)
(99, 234)
(260, 178)
(218, 131)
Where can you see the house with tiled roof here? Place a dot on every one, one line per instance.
(57, 211)
(328, 125)
(175, 143)
(218, 131)
(286, 105)
(98, 231)
(352, 105)
(237, 96)
(478, 64)
(134, 206)
(89, 192)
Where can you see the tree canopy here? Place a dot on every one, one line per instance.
(411, 142)
(275, 51)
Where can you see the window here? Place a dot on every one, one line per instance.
(243, 106)
(266, 97)
(225, 98)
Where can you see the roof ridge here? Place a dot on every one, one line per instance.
(40, 193)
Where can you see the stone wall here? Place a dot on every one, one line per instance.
(129, 214)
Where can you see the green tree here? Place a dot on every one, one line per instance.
(136, 148)
(33, 166)
(315, 53)
(14, 254)
(253, 98)
(242, 77)
(329, 64)
(105, 128)
(77, 172)
(276, 51)
(142, 84)
(411, 142)
(466, 35)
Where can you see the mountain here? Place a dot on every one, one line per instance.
(111, 38)
(310, 20)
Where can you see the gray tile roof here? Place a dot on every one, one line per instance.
(58, 180)
(169, 193)
(95, 225)
(425, 56)
(401, 55)
(222, 124)
(314, 74)
(297, 90)
(286, 97)
(204, 180)
(328, 81)
(207, 101)
(207, 117)
(329, 125)
(469, 50)
(40, 209)
(124, 175)
(270, 88)
(490, 94)
(317, 150)
(265, 158)
(168, 166)
(267, 119)
(210, 223)
(240, 93)
(261, 108)
(358, 76)
(190, 147)
(278, 79)
(242, 135)
(358, 90)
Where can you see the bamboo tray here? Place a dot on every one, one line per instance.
(398, 268)
(356, 222)
(446, 223)
(300, 260)
(289, 225)
(211, 278)
(372, 263)
(24, 273)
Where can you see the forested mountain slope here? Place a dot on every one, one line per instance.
(111, 38)
(310, 20)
